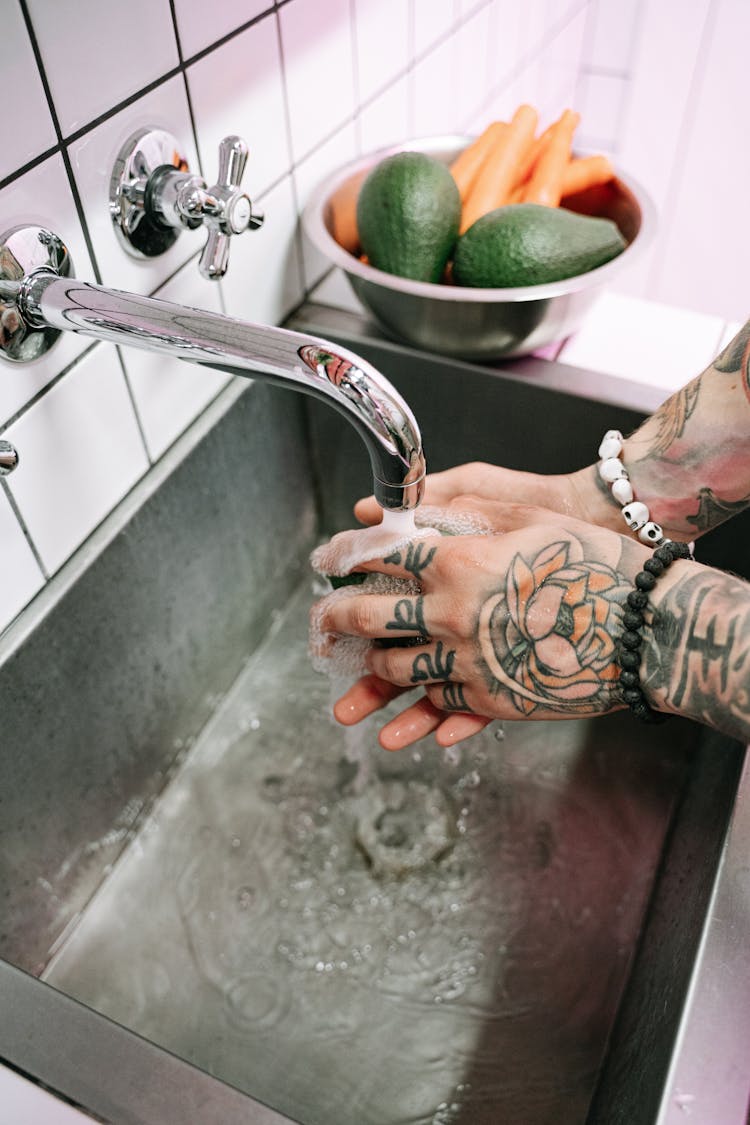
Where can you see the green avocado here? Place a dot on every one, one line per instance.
(527, 244)
(408, 214)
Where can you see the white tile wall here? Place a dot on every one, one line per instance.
(81, 452)
(432, 20)
(614, 25)
(30, 137)
(77, 40)
(239, 89)
(700, 263)
(471, 68)
(387, 118)
(265, 275)
(434, 90)
(22, 577)
(42, 197)
(601, 99)
(169, 393)
(318, 45)
(311, 84)
(340, 149)
(200, 25)
(382, 37)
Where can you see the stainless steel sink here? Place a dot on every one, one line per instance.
(221, 907)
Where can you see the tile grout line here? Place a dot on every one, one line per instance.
(628, 76)
(24, 528)
(290, 150)
(355, 77)
(58, 131)
(134, 405)
(186, 84)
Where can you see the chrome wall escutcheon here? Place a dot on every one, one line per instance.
(24, 252)
(8, 458)
(141, 232)
(154, 196)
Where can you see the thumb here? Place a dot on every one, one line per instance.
(368, 511)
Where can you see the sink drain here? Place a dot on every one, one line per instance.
(403, 826)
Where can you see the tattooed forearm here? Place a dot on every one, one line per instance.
(671, 419)
(712, 510)
(735, 356)
(698, 658)
(690, 461)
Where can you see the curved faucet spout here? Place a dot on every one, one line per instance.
(291, 359)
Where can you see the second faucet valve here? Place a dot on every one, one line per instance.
(154, 196)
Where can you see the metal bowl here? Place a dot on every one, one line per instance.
(476, 324)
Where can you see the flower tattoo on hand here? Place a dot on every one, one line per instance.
(548, 636)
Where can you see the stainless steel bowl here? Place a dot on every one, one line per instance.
(476, 323)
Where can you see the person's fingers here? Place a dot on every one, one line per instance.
(410, 725)
(368, 511)
(456, 728)
(377, 615)
(507, 515)
(413, 667)
(453, 696)
(367, 695)
(410, 560)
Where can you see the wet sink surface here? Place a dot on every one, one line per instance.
(355, 936)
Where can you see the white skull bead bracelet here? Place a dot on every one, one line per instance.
(613, 472)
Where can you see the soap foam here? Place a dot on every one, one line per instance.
(342, 655)
(348, 549)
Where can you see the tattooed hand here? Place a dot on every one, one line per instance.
(569, 495)
(689, 462)
(520, 625)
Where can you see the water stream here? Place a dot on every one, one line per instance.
(363, 938)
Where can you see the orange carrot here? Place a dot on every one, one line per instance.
(498, 173)
(584, 172)
(545, 182)
(342, 213)
(467, 164)
(526, 166)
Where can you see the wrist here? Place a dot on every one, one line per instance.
(644, 510)
(593, 500)
(642, 653)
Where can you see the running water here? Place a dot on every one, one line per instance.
(438, 942)
(401, 524)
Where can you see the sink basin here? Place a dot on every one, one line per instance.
(221, 907)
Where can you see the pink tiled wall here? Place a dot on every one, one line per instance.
(310, 84)
(664, 89)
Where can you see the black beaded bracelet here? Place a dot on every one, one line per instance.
(628, 651)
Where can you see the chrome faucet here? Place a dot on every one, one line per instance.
(39, 299)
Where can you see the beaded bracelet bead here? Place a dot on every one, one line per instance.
(627, 652)
(613, 472)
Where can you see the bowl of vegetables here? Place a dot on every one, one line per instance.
(481, 247)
